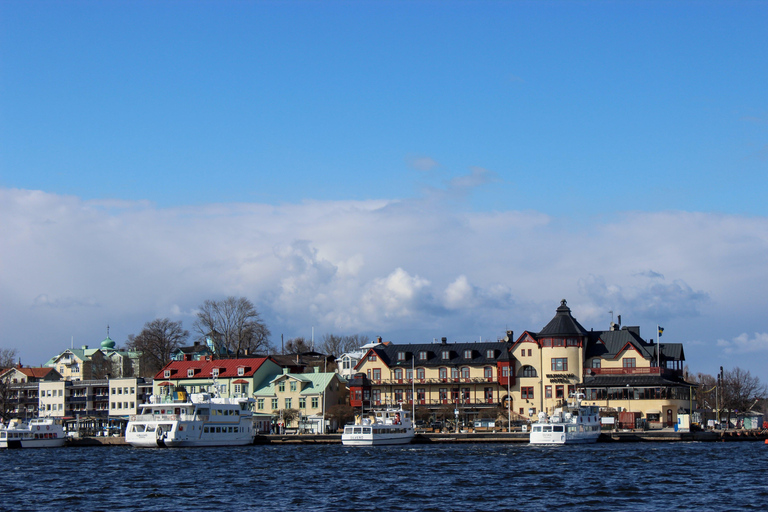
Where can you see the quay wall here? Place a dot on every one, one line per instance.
(484, 437)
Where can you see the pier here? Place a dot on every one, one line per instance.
(664, 435)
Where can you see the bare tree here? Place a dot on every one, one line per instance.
(157, 342)
(706, 393)
(299, 345)
(234, 325)
(340, 414)
(741, 391)
(336, 345)
(7, 358)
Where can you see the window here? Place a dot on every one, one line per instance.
(398, 395)
(488, 372)
(443, 393)
(526, 392)
(454, 373)
(490, 354)
(530, 352)
(377, 374)
(376, 395)
(547, 391)
(167, 374)
(446, 354)
(529, 371)
(293, 385)
(215, 372)
(558, 342)
(287, 403)
(465, 373)
(546, 342)
(240, 371)
(488, 393)
(505, 371)
(372, 356)
(572, 342)
(398, 373)
(423, 355)
(114, 391)
(190, 372)
(409, 374)
(260, 404)
(275, 404)
(467, 354)
(315, 402)
(281, 386)
(420, 394)
(559, 391)
(559, 364)
(401, 356)
(596, 363)
(420, 373)
(302, 403)
(443, 373)
(628, 362)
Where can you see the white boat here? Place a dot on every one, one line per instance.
(572, 424)
(37, 433)
(202, 420)
(380, 427)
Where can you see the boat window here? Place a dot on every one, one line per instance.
(547, 428)
(366, 430)
(558, 428)
(358, 430)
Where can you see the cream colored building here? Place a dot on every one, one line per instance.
(52, 398)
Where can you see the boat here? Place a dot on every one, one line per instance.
(574, 423)
(36, 433)
(380, 427)
(198, 419)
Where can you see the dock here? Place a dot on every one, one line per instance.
(630, 436)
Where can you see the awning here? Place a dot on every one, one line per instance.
(240, 381)
(653, 411)
(166, 383)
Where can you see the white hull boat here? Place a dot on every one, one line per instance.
(572, 424)
(381, 427)
(37, 433)
(201, 421)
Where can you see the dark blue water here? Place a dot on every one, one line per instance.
(456, 477)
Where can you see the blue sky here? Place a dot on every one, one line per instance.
(410, 169)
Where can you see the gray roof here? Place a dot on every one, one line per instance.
(434, 352)
(563, 324)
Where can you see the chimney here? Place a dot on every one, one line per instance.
(196, 344)
(378, 339)
(444, 340)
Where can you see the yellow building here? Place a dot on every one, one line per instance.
(615, 369)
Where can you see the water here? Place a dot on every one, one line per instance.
(455, 477)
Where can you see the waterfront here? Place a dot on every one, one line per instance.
(621, 476)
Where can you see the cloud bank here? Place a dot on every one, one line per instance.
(410, 270)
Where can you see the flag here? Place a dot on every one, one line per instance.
(661, 331)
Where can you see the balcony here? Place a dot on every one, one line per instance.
(653, 370)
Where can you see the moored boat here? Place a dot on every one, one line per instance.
(380, 427)
(201, 420)
(574, 423)
(36, 433)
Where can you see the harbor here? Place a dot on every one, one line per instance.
(654, 436)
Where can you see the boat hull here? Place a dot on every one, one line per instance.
(376, 440)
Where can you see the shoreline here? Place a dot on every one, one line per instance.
(485, 437)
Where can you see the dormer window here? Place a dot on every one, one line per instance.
(167, 374)
(215, 372)
(401, 356)
(446, 354)
(490, 354)
(191, 372)
(423, 355)
(467, 354)
(240, 371)
(372, 356)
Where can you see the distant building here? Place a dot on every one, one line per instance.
(198, 351)
(346, 362)
(96, 363)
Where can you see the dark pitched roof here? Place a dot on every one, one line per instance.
(642, 380)
(563, 324)
(434, 351)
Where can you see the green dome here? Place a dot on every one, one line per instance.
(108, 343)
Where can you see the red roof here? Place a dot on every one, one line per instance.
(34, 373)
(227, 368)
(240, 381)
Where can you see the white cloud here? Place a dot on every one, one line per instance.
(743, 344)
(410, 269)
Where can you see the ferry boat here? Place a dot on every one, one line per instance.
(380, 427)
(572, 424)
(37, 433)
(201, 420)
